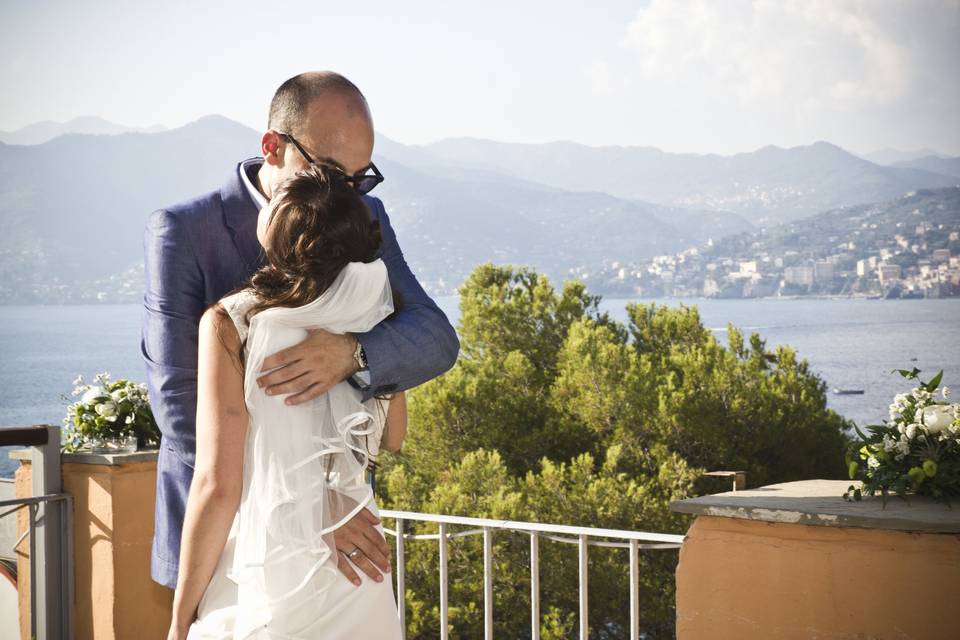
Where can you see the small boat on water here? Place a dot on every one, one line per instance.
(848, 392)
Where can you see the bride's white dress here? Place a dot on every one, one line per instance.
(303, 476)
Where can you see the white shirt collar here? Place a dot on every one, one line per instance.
(252, 188)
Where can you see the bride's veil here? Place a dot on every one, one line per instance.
(303, 474)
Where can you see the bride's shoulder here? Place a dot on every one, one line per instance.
(242, 299)
(237, 304)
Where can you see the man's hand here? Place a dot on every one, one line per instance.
(360, 536)
(311, 367)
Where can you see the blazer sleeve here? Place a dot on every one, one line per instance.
(417, 343)
(173, 303)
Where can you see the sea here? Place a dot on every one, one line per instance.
(850, 343)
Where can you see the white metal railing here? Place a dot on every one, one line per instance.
(580, 536)
(50, 531)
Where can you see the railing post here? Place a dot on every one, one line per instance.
(634, 590)
(401, 570)
(52, 607)
(32, 532)
(444, 633)
(487, 584)
(584, 584)
(534, 586)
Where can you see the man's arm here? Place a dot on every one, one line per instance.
(172, 306)
(414, 345)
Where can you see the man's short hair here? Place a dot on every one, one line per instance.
(290, 103)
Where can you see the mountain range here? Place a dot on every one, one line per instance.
(768, 186)
(40, 132)
(74, 207)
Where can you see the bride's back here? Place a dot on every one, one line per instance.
(303, 471)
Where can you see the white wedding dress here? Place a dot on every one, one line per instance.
(303, 476)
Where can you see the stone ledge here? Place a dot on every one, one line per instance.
(144, 455)
(820, 502)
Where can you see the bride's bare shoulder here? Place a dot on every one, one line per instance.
(219, 335)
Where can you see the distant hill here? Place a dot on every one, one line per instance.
(74, 208)
(936, 164)
(41, 132)
(890, 156)
(916, 232)
(767, 186)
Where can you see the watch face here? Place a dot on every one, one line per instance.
(360, 356)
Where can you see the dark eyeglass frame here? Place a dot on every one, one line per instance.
(362, 184)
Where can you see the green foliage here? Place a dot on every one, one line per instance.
(556, 413)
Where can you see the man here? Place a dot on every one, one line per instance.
(197, 251)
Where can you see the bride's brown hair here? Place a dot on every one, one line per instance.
(319, 223)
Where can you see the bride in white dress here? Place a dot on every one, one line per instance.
(272, 482)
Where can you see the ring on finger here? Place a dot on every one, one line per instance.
(353, 554)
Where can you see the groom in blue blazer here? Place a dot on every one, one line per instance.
(197, 251)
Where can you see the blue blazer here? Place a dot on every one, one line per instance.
(194, 253)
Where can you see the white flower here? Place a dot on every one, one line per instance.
(946, 392)
(903, 446)
(889, 444)
(937, 417)
(91, 395)
(106, 409)
(872, 462)
(78, 380)
(910, 431)
(117, 395)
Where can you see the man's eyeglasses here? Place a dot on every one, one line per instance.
(362, 184)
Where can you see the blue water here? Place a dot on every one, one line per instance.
(850, 343)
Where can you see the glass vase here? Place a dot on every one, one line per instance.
(114, 444)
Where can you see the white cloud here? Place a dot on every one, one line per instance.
(604, 79)
(803, 59)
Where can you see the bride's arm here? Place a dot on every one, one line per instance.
(218, 472)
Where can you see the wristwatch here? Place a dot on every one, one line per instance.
(360, 356)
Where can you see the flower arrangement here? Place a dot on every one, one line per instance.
(108, 415)
(917, 450)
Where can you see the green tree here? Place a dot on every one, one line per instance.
(556, 413)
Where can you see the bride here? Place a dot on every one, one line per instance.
(272, 482)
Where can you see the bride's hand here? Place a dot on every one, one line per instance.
(310, 367)
(360, 532)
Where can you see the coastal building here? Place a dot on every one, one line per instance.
(802, 276)
(888, 273)
(823, 271)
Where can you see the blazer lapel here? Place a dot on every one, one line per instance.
(240, 216)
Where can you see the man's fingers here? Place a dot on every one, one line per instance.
(347, 569)
(284, 374)
(309, 393)
(367, 567)
(368, 516)
(282, 357)
(376, 539)
(294, 385)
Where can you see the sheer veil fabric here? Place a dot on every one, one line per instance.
(303, 477)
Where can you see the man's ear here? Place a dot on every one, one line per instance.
(271, 147)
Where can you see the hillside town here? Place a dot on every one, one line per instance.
(907, 248)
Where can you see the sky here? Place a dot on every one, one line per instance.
(682, 75)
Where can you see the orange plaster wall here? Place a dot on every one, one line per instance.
(748, 579)
(115, 598)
